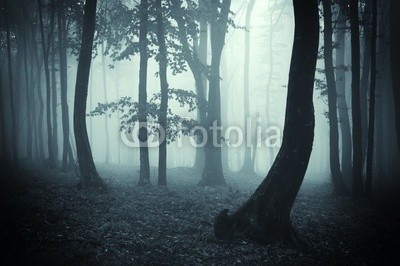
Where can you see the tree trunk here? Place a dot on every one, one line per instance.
(162, 117)
(11, 89)
(247, 162)
(212, 172)
(339, 186)
(355, 99)
(265, 217)
(341, 87)
(103, 67)
(371, 126)
(29, 99)
(64, 86)
(54, 97)
(365, 76)
(87, 168)
(144, 178)
(395, 61)
(4, 148)
(45, 51)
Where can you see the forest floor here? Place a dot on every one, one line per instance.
(46, 219)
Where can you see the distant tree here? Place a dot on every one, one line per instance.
(339, 186)
(247, 162)
(355, 99)
(395, 60)
(265, 217)
(87, 168)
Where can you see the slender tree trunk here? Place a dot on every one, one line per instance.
(365, 76)
(87, 168)
(355, 99)
(395, 60)
(247, 165)
(162, 119)
(45, 51)
(54, 98)
(62, 37)
(265, 217)
(371, 126)
(339, 186)
(212, 172)
(103, 67)
(4, 148)
(11, 89)
(144, 178)
(341, 87)
(28, 98)
(119, 115)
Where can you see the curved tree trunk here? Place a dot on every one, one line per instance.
(395, 60)
(144, 178)
(339, 186)
(162, 119)
(247, 162)
(355, 98)
(265, 217)
(87, 168)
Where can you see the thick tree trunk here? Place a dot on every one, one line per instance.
(212, 172)
(265, 217)
(355, 99)
(67, 151)
(371, 126)
(341, 87)
(11, 91)
(144, 178)
(339, 186)
(395, 60)
(87, 168)
(45, 51)
(247, 162)
(162, 116)
(103, 67)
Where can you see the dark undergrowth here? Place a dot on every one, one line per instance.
(47, 219)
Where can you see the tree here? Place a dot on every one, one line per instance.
(265, 217)
(67, 157)
(247, 163)
(371, 125)
(45, 51)
(341, 69)
(355, 98)
(87, 168)
(107, 137)
(339, 186)
(395, 60)
(144, 178)
(212, 173)
(162, 118)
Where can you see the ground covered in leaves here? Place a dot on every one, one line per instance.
(46, 219)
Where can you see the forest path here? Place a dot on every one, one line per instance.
(46, 219)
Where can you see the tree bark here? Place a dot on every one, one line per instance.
(212, 172)
(45, 51)
(371, 126)
(395, 61)
(87, 168)
(144, 178)
(265, 217)
(355, 99)
(247, 161)
(339, 187)
(162, 117)
(11, 91)
(341, 88)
